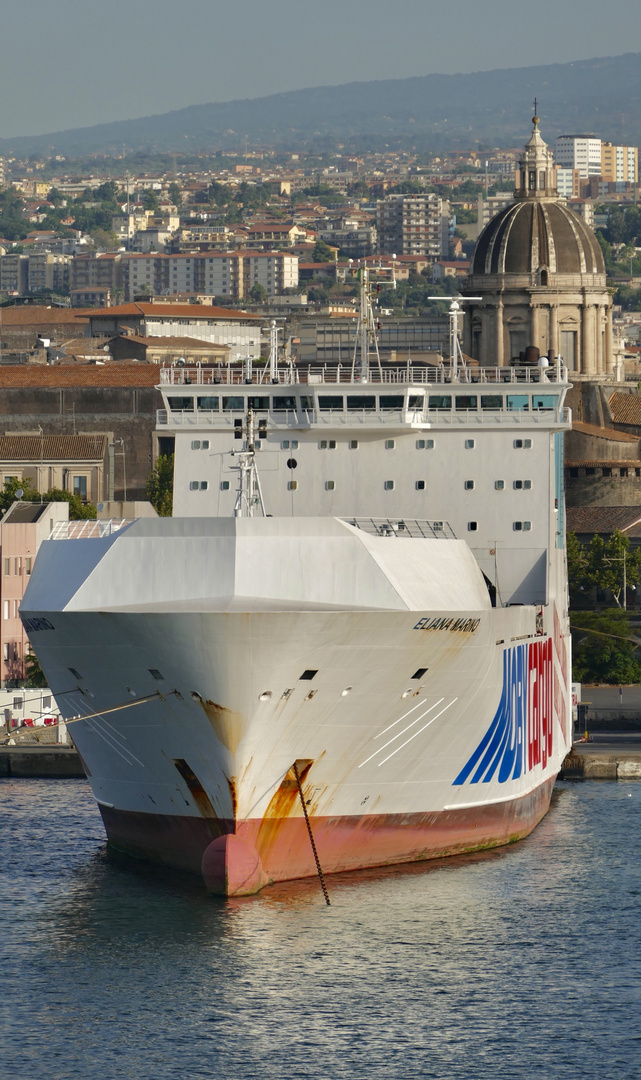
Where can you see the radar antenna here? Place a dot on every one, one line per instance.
(456, 353)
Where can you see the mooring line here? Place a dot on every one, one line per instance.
(311, 837)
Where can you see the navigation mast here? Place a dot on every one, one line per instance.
(249, 495)
(365, 334)
(456, 353)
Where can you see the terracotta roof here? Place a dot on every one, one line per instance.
(602, 519)
(179, 311)
(113, 374)
(32, 314)
(625, 408)
(612, 434)
(52, 447)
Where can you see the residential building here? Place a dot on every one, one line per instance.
(14, 274)
(568, 183)
(582, 152)
(488, 206)
(23, 528)
(413, 225)
(227, 274)
(100, 271)
(619, 163)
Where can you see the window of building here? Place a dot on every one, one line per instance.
(472, 526)
(522, 526)
(7, 566)
(353, 444)
(439, 401)
(522, 444)
(5, 609)
(18, 703)
(420, 485)
(522, 485)
(425, 444)
(327, 444)
(390, 444)
(205, 444)
(5, 650)
(195, 444)
(292, 485)
(469, 485)
(391, 401)
(499, 485)
(193, 485)
(329, 485)
(224, 485)
(203, 485)
(469, 444)
(492, 401)
(27, 565)
(388, 485)
(80, 486)
(327, 402)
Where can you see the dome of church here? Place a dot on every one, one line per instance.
(537, 234)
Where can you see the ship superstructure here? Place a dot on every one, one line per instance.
(379, 610)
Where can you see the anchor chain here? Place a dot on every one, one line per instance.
(311, 837)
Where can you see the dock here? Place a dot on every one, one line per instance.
(40, 762)
(608, 756)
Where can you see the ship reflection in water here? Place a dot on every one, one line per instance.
(521, 961)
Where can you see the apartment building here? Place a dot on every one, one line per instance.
(101, 271)
(227, 274)
(568, 183)
(581, 152)
(14, 274)
(619, 164)
(413, 225)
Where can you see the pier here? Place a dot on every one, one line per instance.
(608, 756)
(40, 762)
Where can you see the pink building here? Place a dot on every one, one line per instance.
(23, 528)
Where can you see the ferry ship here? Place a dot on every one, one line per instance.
(352, 634)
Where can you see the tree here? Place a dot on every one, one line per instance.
(78, 510)
(12, 486)
(258, 293)
(603, 648)
(175, 194)
(577, 563)
(160, 485)
(606, 561)
(323, 252)
(34, 675)
(150, 200)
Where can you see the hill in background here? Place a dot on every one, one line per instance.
(602, 96)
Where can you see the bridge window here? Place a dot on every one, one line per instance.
(466, 401)
(492, 401)
(439, 401)
(326, 402)
(391, 401)
(209, 404)
(361, 401)
(181, 404)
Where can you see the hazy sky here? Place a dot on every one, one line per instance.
(74, 63)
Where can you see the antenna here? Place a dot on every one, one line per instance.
(249, 494)
(455, 345)
(365, 329)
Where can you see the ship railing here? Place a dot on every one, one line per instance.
(404, 527)
(433, 418)
(87, 530)
(328, 374)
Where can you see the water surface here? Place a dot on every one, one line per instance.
(525, 962)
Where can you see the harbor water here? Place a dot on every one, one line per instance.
(522, 962)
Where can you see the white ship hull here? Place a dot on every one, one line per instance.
(422, 720)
